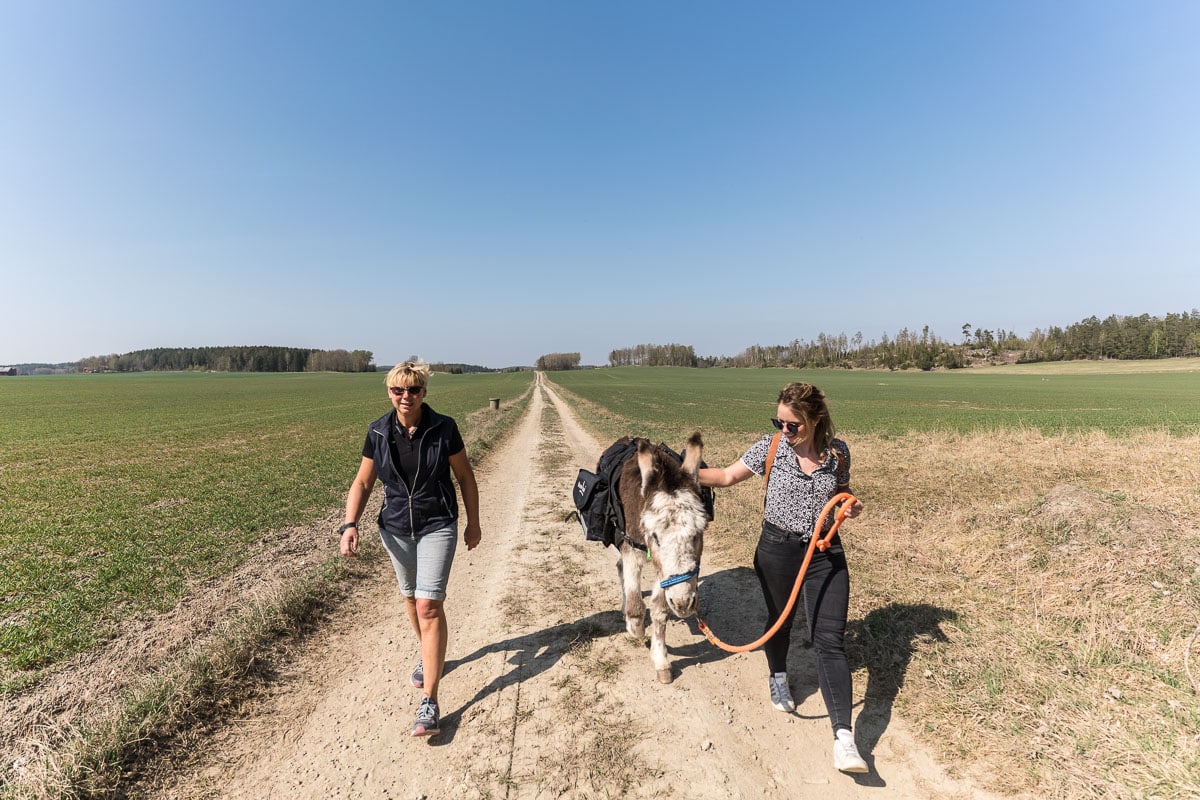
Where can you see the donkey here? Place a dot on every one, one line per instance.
(665, 519)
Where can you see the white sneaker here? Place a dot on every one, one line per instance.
(845, 753)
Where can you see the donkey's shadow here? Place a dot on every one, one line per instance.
(529, 654)
(533, 653)
(731, 604)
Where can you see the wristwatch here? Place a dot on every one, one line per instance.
(347, 526)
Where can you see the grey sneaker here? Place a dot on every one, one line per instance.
(845, 753)
(781, 695)
(418, 676)
(427, 719)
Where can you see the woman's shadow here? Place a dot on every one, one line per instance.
(883, 642)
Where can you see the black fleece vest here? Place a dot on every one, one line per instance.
(431, 505)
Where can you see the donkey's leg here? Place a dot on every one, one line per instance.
(621, 579)
(658, 633)
(630, 570)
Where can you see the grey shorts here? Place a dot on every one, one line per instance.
(422, 564)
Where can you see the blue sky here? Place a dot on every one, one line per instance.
(487, 182)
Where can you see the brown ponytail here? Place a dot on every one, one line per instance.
(808, 402)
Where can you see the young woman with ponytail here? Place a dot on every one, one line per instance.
(805, 466)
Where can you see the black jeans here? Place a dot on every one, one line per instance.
(826, 597)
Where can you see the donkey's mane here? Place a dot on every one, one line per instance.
(666, 478)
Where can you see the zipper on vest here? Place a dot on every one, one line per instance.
(412, 522)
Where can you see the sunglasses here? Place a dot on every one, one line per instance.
(792, 427)
(400, 391)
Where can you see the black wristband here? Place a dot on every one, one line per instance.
(347, 526)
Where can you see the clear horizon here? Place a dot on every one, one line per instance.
(485, 184)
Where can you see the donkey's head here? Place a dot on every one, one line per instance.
(673, 519)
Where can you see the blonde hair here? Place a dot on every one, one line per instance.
(410, 373)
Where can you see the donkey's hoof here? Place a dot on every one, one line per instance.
(664, 675)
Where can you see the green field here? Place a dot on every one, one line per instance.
(987, 601)
(121, 490)
(1051, 399)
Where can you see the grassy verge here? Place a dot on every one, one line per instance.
(173, 706)
(1030, 601)
(175, 701)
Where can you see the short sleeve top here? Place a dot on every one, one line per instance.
(795, 499)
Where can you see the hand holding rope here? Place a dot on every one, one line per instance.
(817, 542)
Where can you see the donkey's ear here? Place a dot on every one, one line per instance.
(691, 454)
(647, 463)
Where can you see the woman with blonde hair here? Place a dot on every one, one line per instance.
(811, 467)
(414, 451)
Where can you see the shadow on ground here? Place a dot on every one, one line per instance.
(883, 643)
(731, 604)
(529, 654)
(533, 653)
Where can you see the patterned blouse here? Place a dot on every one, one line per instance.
(795, 500)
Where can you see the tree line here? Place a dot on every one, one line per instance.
(1115, 337)
(458, 369)
(558, 361)
(1142, 337)
(232, 359)
(654, 355)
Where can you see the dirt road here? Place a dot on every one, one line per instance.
(544, 694)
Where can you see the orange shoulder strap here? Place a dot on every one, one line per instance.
(770, 461)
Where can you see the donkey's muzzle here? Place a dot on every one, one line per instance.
(683, 602)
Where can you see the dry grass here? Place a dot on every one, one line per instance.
(1060, 576)
(1029, 602)
(173, 707)
(1103, 367)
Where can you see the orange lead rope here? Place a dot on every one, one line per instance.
(817, 542)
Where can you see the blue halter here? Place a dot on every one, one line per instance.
(682, 577)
